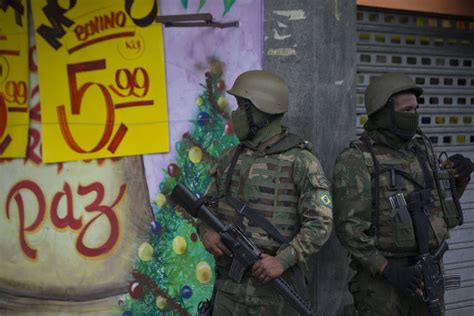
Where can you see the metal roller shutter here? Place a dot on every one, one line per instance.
(438, 52)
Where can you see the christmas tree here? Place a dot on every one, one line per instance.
(227, 5)
(173, 271)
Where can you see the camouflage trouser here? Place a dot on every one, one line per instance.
(250, 297)
(373, 295)
(226, 304)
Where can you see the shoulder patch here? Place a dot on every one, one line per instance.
(325, 198)
(323, 181)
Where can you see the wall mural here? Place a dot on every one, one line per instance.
(99, 236)
(227, 5)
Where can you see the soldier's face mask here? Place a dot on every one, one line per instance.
(247, 119)
(406, 124)
(403, 124)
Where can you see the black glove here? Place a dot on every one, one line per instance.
(461, 165)
(404, 278)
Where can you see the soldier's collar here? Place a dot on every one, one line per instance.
(267, 149)
(388, 139)
(286, 142)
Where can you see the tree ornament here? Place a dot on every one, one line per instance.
(127, 313)
(194, 237)
(195, 154)
(203, 272)
(179, 245)
(135, 290)
(228, 128)
(186, 291)
(160, 198)
(216, 68)
(187, 135)
(160, 302)
(145, 252)
(203, 118)
(155, 227)
(199, 101)
(179, 146)
(222, 102)
(163, 187)
(173, 170)
(220, 85)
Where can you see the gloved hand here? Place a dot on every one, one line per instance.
(404, 278)
(462, 165)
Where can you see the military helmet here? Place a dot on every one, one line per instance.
(382, 88)
(268, 92)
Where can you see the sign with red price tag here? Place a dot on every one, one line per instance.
(102, 78)
(13, 79)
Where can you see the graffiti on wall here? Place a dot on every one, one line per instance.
(92, 219)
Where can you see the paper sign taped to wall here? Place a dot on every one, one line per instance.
(13, 80)
(102, 78)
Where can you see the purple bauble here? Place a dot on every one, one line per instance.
(203, 118)
(155, 227)
(186, 291)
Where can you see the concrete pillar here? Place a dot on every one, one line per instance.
(311, 44)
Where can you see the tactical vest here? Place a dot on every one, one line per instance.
(395, 238)
(264, 182)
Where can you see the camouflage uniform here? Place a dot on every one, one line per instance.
(391, 241)
(286, 184)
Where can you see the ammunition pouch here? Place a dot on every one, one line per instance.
(451, 205)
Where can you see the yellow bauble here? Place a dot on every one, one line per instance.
(179, 245)
(199, 101)
(203, 272)
(145, 252)
(216, 68)
(160, 199)
(195, 154)
(222, 102)
(161, 302)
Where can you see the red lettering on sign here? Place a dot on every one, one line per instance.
(3, 116)
(16, 92)
(15, 193)
(32, 58)
(108, 211)
(76, 94)
(100, 24)
(69, 219)
(33, 144)
(15, 196)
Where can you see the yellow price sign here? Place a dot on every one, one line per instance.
(13, 80)
(102, 79)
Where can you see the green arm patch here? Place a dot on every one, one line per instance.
(325, 198)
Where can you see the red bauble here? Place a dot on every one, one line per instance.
(173, 170)
(194, 237)
(220, 85)
(136, 290)
(187, 135)
(228, 128)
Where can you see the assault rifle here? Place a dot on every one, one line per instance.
(428, 263)
(435, 284)
(245, 252)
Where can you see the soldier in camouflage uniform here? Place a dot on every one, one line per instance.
(277, 175)
(388, 159)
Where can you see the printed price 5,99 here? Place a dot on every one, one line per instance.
(128, 83)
